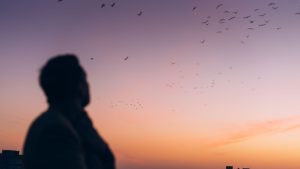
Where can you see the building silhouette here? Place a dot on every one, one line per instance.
(11, 159)
(231, 167)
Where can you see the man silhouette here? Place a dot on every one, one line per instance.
(63, 137)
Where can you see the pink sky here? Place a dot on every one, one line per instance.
(175, 102)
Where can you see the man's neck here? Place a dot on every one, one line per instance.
(70, 108)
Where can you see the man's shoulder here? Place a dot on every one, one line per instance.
(50, 123)
(49, 133)
(51, 119)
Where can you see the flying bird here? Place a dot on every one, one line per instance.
(278, 28)
(298, 13)
(205, 22)
(263, 14)
(92, 58)
(59, 0)
(140, 13)
(231, 18)
(113, 4)
(235, 12)
(218, 6)
(246, 17)
(251, 21)
(262, 24)
(203, 41)
(103, 5)
(275, 7)
(250, 28)
(194, 8)
(222, 20)
(271, 4)
(126, 58)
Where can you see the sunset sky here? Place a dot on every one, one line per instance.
(207, 83)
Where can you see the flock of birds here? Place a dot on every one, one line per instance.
(132, 105)
(254, 20)
(112, 4)
(228, 16)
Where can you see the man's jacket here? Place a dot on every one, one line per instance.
(55, 142)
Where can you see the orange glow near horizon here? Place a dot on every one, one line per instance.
(187, 97)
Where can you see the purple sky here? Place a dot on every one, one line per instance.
(190, 94)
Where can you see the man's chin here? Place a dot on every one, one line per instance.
(85, 102)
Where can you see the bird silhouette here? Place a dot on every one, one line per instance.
(222, 20)
(264, 14)
(251, 21)
(250, 28)
(246, 17)
(126, 58)
(113, 4)
(298, 13)
(103, 5)
(218, 6)
(205, 22)
(92, 58)
(59, 0)
(271, 4)
(262, 24)
(194, 8)
(235, 12)
(140, 13)
(203, 41)
(275, 7)
(231, 18)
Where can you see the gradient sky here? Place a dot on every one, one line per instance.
(176, 102)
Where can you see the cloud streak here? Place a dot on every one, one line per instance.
(257, 129)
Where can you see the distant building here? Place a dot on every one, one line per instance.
(10, 159)
(229, 167)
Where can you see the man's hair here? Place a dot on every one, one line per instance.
(60, 77)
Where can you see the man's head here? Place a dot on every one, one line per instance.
(63, 79)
